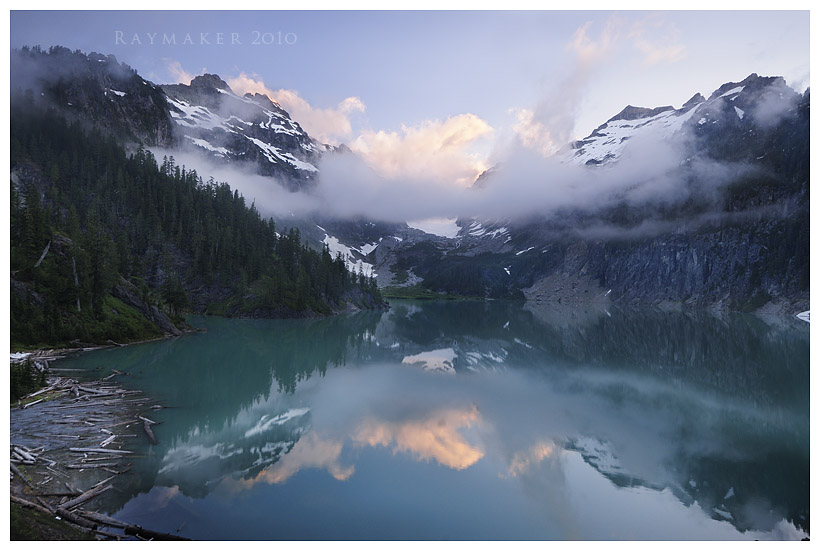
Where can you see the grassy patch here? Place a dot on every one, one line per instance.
(30, 525)
(116, 322)
(417, 292)
(24, 379)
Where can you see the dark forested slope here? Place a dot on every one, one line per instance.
(107, 245)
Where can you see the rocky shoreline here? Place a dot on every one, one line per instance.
(70, 443)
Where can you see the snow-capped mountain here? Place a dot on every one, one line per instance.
(607, 142)
(734, 108)
(720, 242)
(205, 116)
(741, 171)
(734, 124)
(212, 119)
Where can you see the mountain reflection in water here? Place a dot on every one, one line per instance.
(474, 420)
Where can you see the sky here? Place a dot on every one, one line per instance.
(409, 67)
(442, 95)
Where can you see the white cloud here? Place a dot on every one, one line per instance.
(549, 125)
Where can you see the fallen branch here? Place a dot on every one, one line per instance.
(16, 471)
(98, 450)
(75, 519)
(139, 531)
(90, 494)
(103, 519)
(23, 453)
(58, 473)
(90, 466)
(59, 494)
(30, 505)
(146, 425)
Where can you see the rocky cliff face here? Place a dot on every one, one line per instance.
(206, 116)
(738, 239)
(212, 120)
(94, 90)
(737, 267)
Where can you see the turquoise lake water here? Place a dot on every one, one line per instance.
(472, 420)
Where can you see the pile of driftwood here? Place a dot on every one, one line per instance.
(82, 428)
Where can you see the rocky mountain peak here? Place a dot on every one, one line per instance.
(631, 113)
(751, 83)
(263, 100)
(694, 100)
(209, 81)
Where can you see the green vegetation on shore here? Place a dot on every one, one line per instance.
(417, 292)
(91, 224)
(24, 379)
(30, 525)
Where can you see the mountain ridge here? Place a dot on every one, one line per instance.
(756, 128)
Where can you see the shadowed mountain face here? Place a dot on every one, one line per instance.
(205, 116)
(725, 222)
(540, 411)
(96, 90)
(251, 129)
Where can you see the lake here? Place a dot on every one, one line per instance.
(472, 420)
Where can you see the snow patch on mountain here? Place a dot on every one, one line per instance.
(353, 264)
(608, 141)
(195, 116)
(597, 453)
(443, 227)
(440, 360)
(732, 92)
(219, 151)
(266, 422)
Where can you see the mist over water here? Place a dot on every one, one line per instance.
(473, 421)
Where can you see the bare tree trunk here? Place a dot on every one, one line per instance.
(76, 283)
(42, 256)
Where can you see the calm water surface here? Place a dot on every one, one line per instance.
(472, 421)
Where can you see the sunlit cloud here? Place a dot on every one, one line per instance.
(160, 496)
(532, 133)
(328, 125)
(523, 461)
(311, 451)
(657, 39)
(589, 49)
(248, 84)
(178, 74)
(432, 150)
(435, 437)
